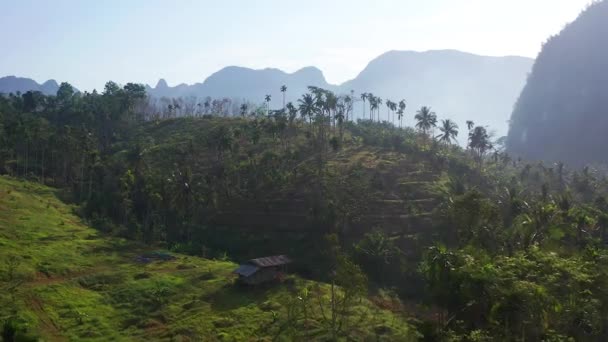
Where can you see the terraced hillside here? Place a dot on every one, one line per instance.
(64, 281)
(401, 193)
(272, 188)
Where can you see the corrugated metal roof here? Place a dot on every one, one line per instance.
(246, 270)
(276, 260)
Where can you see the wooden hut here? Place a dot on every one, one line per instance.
(261, 270)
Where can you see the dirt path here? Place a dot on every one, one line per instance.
(43, 280)
(48, 326)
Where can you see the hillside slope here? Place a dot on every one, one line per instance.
(391, 189)
(65, 281)
(561, 113)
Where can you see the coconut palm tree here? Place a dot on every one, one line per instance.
(306, 106)
(402, 107)
(330, 105)
(378, 104)
(267, 98)
(372, 100)
(389, 106)
(470, 124)
(479, 142)
(393, 107)
(283, 90)
(449, 131)
(399, 116)
(363, 98)
(348, 103)
(427, 119)
(292, 111)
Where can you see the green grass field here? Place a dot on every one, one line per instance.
(64, 281)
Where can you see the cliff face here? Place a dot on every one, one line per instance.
(562, 112)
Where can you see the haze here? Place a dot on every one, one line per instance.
(88, 43)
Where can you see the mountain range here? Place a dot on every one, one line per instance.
(457, 85)
(12, 84)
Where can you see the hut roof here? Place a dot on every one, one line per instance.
(270, 261)
(246, 270)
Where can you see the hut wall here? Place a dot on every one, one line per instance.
(261, 276)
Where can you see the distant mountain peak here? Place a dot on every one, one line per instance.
(50, 83)
(162, 84)
(14, 84)
(310, 72)
(309, 69)
(451, 81)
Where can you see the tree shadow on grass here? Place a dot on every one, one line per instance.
(123, 247)
(233, 296)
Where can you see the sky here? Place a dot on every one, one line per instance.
(183, 41)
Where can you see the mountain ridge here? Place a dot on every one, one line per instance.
(459, 85)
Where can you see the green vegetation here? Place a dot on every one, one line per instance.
(63, 280)
(471, 242)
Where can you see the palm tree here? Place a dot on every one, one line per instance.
(306, 106)
(330, 105)
(399, 116)
(479, 142)
(389, 106)
(449, 131)
(402, 107)
(283, 90)
(378, 104)
(372, 100)
(470, 124)
(372, 107)
(339, 116)
(292, 111)
(427, 119)
(267, 98)
(363, 98)
(348, 102)
(393, 107)
(243, 109)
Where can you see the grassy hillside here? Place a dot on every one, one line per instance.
(477, 244)
(62, 280)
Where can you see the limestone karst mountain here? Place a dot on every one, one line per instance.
(561, 113)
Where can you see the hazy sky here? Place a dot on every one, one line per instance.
(89, 42)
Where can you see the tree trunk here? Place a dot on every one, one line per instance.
(26, 158)
(42, 168)
(363, 109)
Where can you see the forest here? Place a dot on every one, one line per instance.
(468, 243)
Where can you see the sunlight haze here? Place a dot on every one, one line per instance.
(186, 41)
